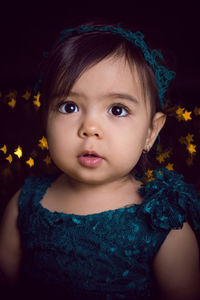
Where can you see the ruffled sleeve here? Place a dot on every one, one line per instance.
(169, 201)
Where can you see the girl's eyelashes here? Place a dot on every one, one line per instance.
(119, 110)
(67, 107)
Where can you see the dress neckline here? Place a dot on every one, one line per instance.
(47, 182)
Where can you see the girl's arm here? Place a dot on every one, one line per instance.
(176, 266)
(10, 249)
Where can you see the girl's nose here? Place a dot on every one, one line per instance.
(88, 130)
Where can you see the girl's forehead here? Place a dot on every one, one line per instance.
(110, 74)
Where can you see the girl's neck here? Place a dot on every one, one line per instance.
(68, 196)
(116, 190)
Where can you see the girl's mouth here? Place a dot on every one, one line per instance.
(90, 159)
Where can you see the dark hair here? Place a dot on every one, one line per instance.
(70, 57)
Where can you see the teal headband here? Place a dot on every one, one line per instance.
(163, 76)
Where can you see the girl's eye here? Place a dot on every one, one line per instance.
(68, 108)
(118, 110)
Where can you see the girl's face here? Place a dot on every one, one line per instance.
(104, 113)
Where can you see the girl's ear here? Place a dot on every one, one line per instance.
(157, 124)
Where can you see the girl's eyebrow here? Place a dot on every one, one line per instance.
(110, 95)
(122, 96)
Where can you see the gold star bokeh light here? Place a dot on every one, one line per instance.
(27, 95)
(18, 152)
(37, 100)
(30, 162)
(187, 115)
(4, 149)
(170, 166)
(191, 148)
(12, 103)
(47, 160)
(43, 144)
(9, 158)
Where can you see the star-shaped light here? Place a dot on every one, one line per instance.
(27, 95)
(170, 167)
(43, 144)
(9, 158)
(166, 154)
(149, 176)
(18, 152)
(37, 100)
(149, 173)
(191, 148)
(187, 115)
(161, 158)
(4, 149)
(12, 103)
(30, 162)
(180, 111)
(47, 160)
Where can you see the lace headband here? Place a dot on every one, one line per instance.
(163, 76)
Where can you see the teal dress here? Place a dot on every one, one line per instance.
(105, 255)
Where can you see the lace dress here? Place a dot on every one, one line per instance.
(105, 255)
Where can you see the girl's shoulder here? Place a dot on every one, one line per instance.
(10, 249)
(176, 265)
(169, 201)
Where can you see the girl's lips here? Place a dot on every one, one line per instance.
(90, 161)
(90, 158)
